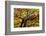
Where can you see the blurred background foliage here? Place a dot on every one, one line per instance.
(20, 13)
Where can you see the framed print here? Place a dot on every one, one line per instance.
(24, 17)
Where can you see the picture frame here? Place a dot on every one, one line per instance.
(11, 6)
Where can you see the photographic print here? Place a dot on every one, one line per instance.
(24, 17)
